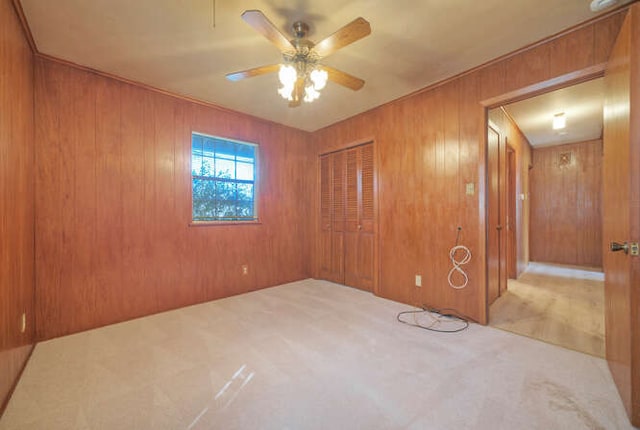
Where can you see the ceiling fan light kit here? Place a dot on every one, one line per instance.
(301, 75)
(313, 79)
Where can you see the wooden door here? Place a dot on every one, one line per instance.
(366, 237)
(359, 218)
(331, 235)
(621, 218)
(325, 238)
(338, 168)
(494, 228)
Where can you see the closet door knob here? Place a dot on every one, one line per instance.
(615, 247)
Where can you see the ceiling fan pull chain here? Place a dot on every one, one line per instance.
(213, 13)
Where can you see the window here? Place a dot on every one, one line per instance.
(223, 176)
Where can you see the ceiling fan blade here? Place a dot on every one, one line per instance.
(262, 25)
(250, 73)
(298, 93)
(355, 30)
(342, 78)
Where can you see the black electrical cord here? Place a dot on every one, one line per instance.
(442, 313)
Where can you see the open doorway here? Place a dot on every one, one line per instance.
(546, 218)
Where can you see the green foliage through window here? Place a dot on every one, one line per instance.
(223, 174)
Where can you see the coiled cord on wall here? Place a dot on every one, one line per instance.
(443, 320)
(466, 257)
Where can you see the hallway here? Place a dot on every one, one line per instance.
(562, 305)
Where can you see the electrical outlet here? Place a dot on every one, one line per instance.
(418, 280)
(245, 269)
(23, 323)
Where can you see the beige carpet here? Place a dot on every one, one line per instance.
(556, 304)
(307, 355)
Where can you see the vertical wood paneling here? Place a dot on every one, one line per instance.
(149, 214)
(570, 48)
(566, 221)
(169, 293)
(106, 198)
(606, 32)
(472, 124)
(533, 66)
(83, 166)
(114, 204)
(46, 206)
(429, 146)
(133, 193)
(16, 199)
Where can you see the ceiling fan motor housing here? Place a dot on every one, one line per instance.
(300, 29)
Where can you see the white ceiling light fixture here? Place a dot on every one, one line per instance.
(301, 70)
(313, 80)
(559, 121)
(598, 5)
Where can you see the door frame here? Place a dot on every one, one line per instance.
(494, 256)
(563, 81)
(511, 215)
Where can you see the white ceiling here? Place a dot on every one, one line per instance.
(187, 46)
(582, 105)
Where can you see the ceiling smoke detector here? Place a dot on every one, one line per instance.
(598, 5)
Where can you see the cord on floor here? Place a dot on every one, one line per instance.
(439, 320)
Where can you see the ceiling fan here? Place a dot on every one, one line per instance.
(301, 75)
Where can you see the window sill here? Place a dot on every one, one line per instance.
(226, 223)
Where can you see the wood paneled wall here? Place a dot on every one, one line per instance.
(113, 204)
(16, 199)
(566, 212)
(430, 145)
(513, 137)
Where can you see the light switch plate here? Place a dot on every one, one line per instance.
(470, 188)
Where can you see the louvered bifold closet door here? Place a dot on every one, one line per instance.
(366, 237)
(359, 218)
(326, 219)
(338, 216)
(347, 217)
